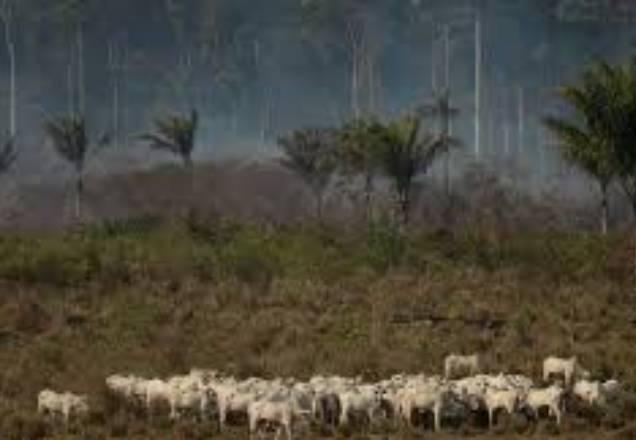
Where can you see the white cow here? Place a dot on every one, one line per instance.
(189, 399)
(125, 386)
(455, 364)
(363, 399)
(588, 391)
(62, 403)
(611, 387)
(507, 399)
(233, 400)
(153, 392)
(550, 397)
(424, 398)
(279, 412)
(569, 368)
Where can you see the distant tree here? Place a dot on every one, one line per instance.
(310, 154)
(359, 154)
(407, 151)
(8, 155)
(176, 134)
(70, 140)
(619, 116)
(584, 138)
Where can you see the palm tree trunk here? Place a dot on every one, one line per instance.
(79, 191)
(189, 170)
(405, 208)
(604, 208)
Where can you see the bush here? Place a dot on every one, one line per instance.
(386, 245)
(136, 226)
(251, 262)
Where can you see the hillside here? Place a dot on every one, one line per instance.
(157, 297)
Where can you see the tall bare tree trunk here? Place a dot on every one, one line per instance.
(604, 208)
(433, 61)
(80, 69)
(404, 208)
(7, 18)
(354, 36)
(447, 128)
(116, 111)
(371, 81)
(355, 104)
(113, 61)
(188, 166)
(478, 61)
(70, 84)
(520, 121)
(266, 118)
(506, 130)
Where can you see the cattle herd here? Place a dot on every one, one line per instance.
(286, 403)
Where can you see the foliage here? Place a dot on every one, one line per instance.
(406, 152)
(175, 134)
(386, 245)
(68, 135)
(585, 141)
(70, 140)
(311, 155)
(359, 144)
(8, 155)
(602, 139)
(125, 252)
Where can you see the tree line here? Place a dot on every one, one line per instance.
(598, 135)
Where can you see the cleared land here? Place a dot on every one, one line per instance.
(157, 298)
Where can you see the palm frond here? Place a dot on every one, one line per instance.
(310, 154)
(8, 154)
(69, 138)
(175, 134)
(158, 142)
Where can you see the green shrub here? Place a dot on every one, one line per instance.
(143, 224)
(251, 260)
(386, 245)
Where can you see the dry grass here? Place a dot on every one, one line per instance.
(154, 299)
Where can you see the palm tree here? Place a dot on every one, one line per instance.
(585, 139)
(358, 147)
(69, 138)
(619, 104)
(176, 134)
(407, 152)
(310, 154)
